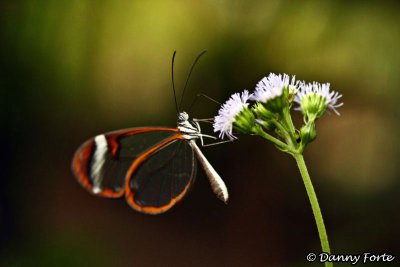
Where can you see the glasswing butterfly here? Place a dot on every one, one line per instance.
(152, 167)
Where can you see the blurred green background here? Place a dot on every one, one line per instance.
(74, 69)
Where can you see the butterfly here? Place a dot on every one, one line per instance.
(152, 167)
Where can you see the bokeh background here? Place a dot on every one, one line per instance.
(74, 69)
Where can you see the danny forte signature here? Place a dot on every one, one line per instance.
(365, 257)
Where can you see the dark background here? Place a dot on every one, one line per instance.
(73, 69)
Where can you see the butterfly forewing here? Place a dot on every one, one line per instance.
(101, 164)
(163, 178)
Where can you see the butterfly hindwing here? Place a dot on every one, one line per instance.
(161, 178)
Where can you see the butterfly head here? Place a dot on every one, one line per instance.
(183, 117)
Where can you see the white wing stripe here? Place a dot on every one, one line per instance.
(99, 158)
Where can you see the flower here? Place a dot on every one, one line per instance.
(229, 112)
(314, 98)
(272, 86)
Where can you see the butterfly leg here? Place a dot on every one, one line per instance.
(197, 124)
(217, 143)
(209, 120)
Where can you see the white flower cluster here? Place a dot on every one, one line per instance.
(268, 89)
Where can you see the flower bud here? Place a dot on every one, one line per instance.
(315, 98)
(244, 121)
(308, 133)
(234, 113)
(276, 92)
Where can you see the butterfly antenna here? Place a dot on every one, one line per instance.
(173, 82)
(188, 77)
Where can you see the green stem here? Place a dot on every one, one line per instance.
(274, 140)
(289, 122)
(283, 131)
(314, 205)
(287, 119)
